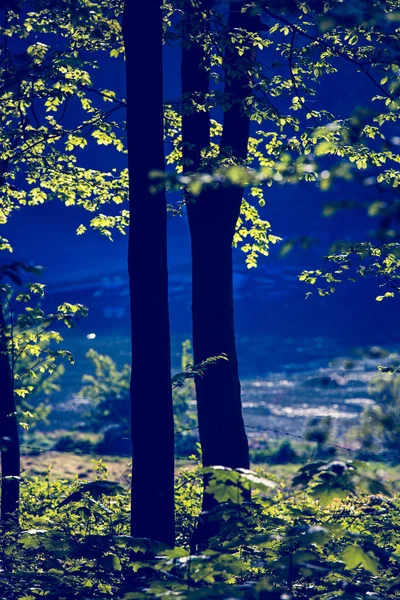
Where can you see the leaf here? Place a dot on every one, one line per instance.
(142, 545)
(224, 492)
(354, 556)
(327, 494)
(95, 489)
(316, 535)
(255, 480)
(286, 248)
(387, 295)
(110, 562)
(177, 552)
(32, 538)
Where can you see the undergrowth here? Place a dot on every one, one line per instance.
(333, 532)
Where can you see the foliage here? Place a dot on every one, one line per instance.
(321, 430)
(356, 261)
(74, 442)
(380, 425)
(285, 453)
(333, 535)
(301, 47)
(336, 534)
(297, 140)
(184, 398)
(31, 337)
(108, 391)
(51, 110)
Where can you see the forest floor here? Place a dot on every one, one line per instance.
(69, 466)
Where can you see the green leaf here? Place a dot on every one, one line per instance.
(255, 481)
(223, 492)
(327, 494)
(354, 556)
(95, 489)
(110, 562)
(387, 295)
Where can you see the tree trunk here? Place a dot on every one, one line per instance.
(212, 221)
(9, 435)
(221, 426)
(151, 394)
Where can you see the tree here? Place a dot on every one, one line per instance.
(314, 42)
(309, 38)
(40, 142)
(357, 150)
(9, 433)
(108, 390)
(213, 217)
(27, 356)
(36, 83)
(151, 393)
(51, 110)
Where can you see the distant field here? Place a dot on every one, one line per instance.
(67, 465)
(317, 379)
(70, 466)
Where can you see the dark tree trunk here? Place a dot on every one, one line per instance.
(212, 221)
(151, 395)
(221, 426)
(9, 435)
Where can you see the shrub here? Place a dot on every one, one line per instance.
(380, 424)
(332, 533)
(73, 442)
(108, 391)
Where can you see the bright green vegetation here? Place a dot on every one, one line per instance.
(332, 532)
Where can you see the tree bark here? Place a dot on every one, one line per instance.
(212, 220)
(221, 427)
(151, 394)
(9, 434)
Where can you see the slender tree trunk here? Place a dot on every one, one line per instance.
(212, 221)
(9, 435)
(151, 395)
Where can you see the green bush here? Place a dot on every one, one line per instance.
(108, 392)
(284, 453)
(380, 423)
(73, 442)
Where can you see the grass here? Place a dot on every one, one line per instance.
(66, 465)
(69, 466)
